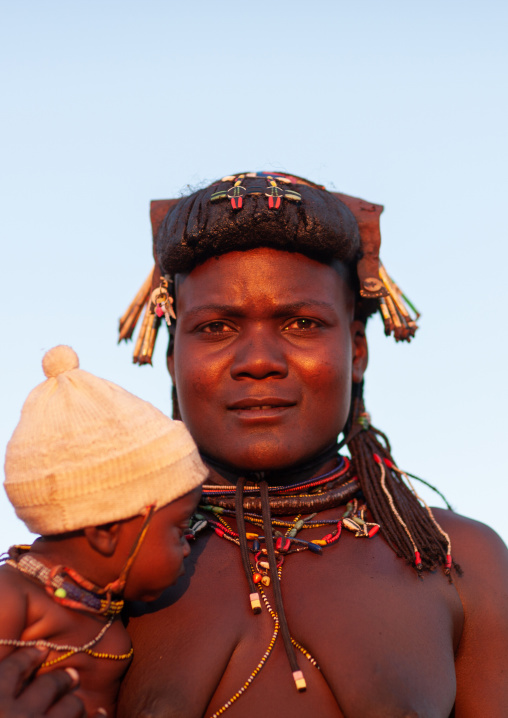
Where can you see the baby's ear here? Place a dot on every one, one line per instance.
(103, 539)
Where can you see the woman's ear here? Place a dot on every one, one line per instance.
(360, 350)
(103, 539)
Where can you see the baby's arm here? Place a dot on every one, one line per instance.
(13, 600)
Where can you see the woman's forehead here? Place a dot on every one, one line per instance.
(282, 277)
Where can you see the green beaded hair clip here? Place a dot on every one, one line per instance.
(269, 188)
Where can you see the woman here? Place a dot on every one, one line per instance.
(273, 280)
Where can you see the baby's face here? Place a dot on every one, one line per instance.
(159, 562)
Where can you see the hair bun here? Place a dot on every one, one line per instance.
(59, 360)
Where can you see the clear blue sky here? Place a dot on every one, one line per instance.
(107, 105)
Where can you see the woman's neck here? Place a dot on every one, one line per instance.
(223, 474)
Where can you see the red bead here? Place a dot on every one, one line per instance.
(373, 531)
(257, 577)
(448, 561)
(418, 559)
(282, 544)
(220, 532)
(377, 458)
(159, 310)
(389, 463)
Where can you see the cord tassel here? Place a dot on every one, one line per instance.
(255, 601)
(145, 344)
(270, 549)
(130, 318)
(395, 310)
(158, 303)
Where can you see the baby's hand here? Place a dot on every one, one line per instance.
(49, 695)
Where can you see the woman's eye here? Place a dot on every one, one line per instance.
(301, 323)
(216, 328)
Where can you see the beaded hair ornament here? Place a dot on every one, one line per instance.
(398, 313)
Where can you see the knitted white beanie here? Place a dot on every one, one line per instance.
(87, 452)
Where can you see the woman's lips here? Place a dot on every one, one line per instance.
(258, 408)
(261, 408)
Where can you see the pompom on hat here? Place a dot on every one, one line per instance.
(86, 452)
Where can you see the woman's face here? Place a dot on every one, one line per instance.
(265, 352)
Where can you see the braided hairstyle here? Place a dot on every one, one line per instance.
(406, 525)
(323, 228)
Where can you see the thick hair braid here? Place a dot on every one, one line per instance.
(406, 525)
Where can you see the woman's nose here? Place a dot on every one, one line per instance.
(259, 354)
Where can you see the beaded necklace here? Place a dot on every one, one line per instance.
(280, 539)
(68, 650)
(353, 519)
(62, 590)
(321, 493)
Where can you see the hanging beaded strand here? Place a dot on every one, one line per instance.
(259, 666)
(267, 652)
(68, 650)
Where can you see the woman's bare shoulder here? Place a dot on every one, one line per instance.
(473, 539)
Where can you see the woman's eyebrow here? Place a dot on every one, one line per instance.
(279, 309)
(305, 304)
(214, 309)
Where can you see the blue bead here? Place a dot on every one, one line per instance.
(314, 548)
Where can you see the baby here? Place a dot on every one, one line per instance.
(110, 483)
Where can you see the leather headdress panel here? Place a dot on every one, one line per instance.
(368, 217)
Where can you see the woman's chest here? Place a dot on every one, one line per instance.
(383, 640)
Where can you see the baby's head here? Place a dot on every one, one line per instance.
(103, 470)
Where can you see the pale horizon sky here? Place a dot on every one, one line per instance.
(107, 105)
